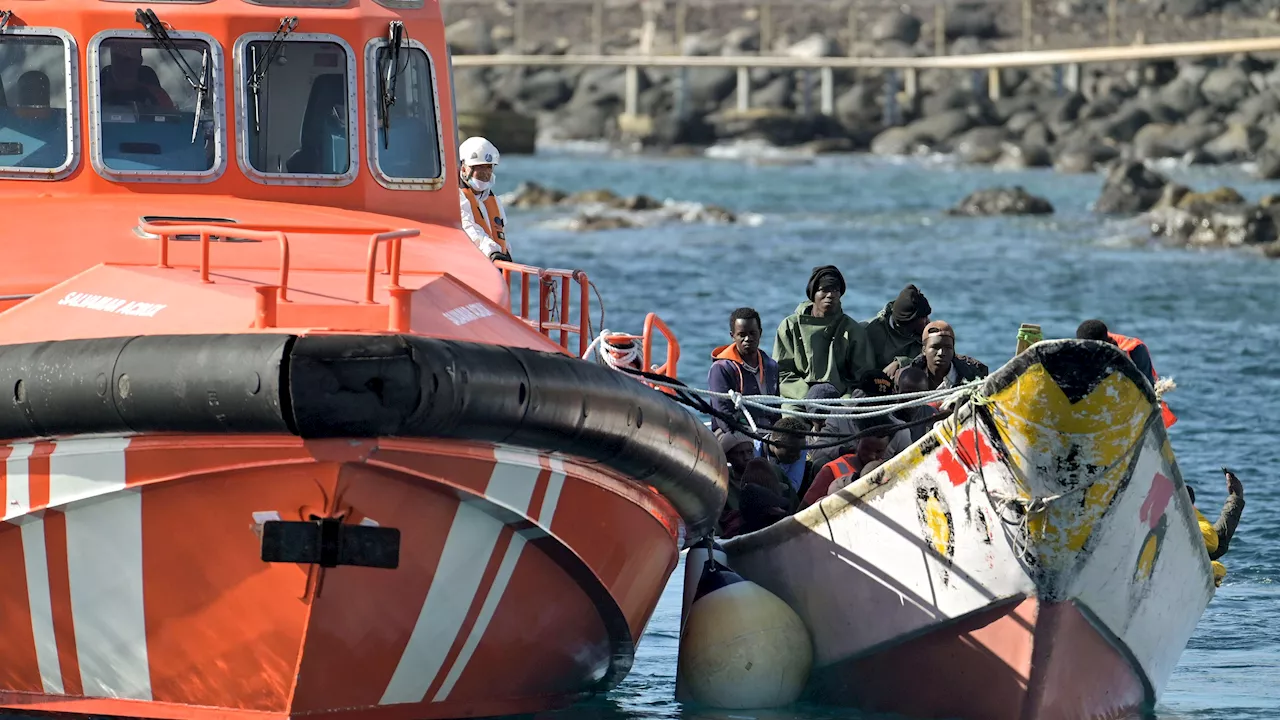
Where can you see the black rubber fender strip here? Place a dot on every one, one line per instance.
(409, 386)
(161, 383)
(365, 386)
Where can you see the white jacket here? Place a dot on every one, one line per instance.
(475, 230)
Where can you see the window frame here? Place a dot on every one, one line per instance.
(371, 116)
(71, 66)
(219, 111)
(243, 111)
(401, 5)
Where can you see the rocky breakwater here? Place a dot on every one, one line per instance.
(1217, 218)
(699, 107)
(1200, 112)
(597, 210)
(1213, 110)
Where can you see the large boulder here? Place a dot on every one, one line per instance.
(943, 127)
(1226, 87)
(469, 36)
(981, 145)
(900, 26)
(972, 19)
(895, 141)
(1020, 156)
(1002, 201)
(1239, 142)
(532, 195)
(1130, 188)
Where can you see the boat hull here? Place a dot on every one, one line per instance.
(523, 578)
(1035, 556)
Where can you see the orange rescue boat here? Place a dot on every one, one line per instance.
(276, 439)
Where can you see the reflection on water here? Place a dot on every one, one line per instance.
(1210, 319)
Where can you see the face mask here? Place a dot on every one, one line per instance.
(479, 185)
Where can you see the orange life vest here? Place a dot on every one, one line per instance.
(840, 469)
(1129, 344)
(492, 220)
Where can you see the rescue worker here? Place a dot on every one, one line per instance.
(1217, 536)
(938, 358)
(820, 343)
(483, 218)
(743, 367)
(1137, 351)
(897, 330)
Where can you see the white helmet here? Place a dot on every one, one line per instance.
(478, 151)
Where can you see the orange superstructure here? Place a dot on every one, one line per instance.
(276, 439)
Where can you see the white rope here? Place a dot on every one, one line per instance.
(835, 407)
(613, 355)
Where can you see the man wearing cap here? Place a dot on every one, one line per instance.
(820, 343)
(897, 330)
(939, 361)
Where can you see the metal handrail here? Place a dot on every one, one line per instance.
(204, 230)
(392, 238)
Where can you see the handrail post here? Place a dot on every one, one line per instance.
(564, 312)
(284, 266)
(744, 88)
(164, 251)
(204, 257)
(828, 105)
(584, 312)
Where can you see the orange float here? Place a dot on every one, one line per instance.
(276, 439)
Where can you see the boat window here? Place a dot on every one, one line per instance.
(38, 92)
(297, 111)
(156, 107)
(403, 116)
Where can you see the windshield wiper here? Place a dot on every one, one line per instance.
(5, 15)
(260, 67)
(147, 18)
(389, 78)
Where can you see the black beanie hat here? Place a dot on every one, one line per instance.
(824, 273)
(911, 305)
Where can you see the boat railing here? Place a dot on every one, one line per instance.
(669, 366)
(545, 299)
(166, 231)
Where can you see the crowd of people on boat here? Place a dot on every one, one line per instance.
(821, 353)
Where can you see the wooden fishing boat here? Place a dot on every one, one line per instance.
(276, 439)
(1035, 557)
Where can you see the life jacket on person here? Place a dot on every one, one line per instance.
(1129, 344)
(491, 218)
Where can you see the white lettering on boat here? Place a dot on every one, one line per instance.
(468, 313)
(105, 303)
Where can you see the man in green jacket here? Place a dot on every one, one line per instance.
(896, 331)
(820, 344)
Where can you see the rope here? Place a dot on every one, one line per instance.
(879, 406)
(614, 356)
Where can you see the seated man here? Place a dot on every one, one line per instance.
(739, 450)
(897, 330)
(785, 453)
(1137, 351)
(944, 368)
(867, 449)
(33, 89)
(762, 501)
(819, 343)
(127, 81)
(911, 380)
(1217, 536)
(743, 367)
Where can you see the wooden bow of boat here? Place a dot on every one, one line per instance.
(1035, 556)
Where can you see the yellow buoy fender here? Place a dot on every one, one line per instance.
(743, 648)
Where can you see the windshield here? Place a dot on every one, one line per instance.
(33, 103)
(407, 145)
(299, 114)
(153, 119)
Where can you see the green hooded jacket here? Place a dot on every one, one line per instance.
(889, 342)
(811, 350)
